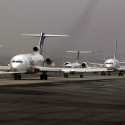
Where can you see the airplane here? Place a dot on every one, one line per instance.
(34, 62)
(112, 64)
(76, 64)
(28, 63)
(0, 46)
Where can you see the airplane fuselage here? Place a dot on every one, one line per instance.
(72, 65)
(112, 64)
(26, 62)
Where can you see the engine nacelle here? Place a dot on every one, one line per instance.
(84, 64)
(66, 63)
(48, 61)
(36, 48)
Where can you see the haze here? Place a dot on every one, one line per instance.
(91, 25)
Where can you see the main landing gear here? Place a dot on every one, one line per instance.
(120, 74)
(81, 75)
(44, 76)
(65, 75)
(103, 73)
(17, 76)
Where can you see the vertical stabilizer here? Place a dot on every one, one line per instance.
(77, 61)
(115, 49)
(42, 37)
(78, 52)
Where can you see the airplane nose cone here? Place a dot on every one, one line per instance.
(14, 67)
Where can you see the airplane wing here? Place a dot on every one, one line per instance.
(5, 72)
(77, 70)
(122, 62)
(121, 68)
(5, 68)
(95, 63)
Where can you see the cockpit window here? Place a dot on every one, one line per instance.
(109, 63)
(19, 61)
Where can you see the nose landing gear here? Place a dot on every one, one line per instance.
(17, 76)
(109, 74)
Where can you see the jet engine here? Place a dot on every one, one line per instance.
(48, 61)
(66, 63)
(84, 64)
(36, 48)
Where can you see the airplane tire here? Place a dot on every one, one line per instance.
(19, 76)
(15, 76)
(81, 76)
(108, 74)
(45, 76)
(41, 77)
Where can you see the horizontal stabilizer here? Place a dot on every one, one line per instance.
(45, 35)
(79, 51)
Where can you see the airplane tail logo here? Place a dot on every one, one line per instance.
(41, 42)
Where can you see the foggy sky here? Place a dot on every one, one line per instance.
(91, 25)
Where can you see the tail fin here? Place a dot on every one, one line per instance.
(115, 49)
(78, 52)
(42, 37)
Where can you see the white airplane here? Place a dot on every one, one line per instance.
(76, 64)
(28, 63)
(112, 64)
(34, 62)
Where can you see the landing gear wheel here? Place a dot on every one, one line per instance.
(15, 76)
(19, 76)
(65, 75)
(81, 75)
(120, 74)
(44, 76)
(41, 77)
(103, 73)
(108, 74)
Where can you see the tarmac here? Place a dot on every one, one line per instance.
(92, 100)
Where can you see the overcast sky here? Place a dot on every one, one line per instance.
(91, 25)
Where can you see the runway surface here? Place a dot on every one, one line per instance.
(92, 100)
